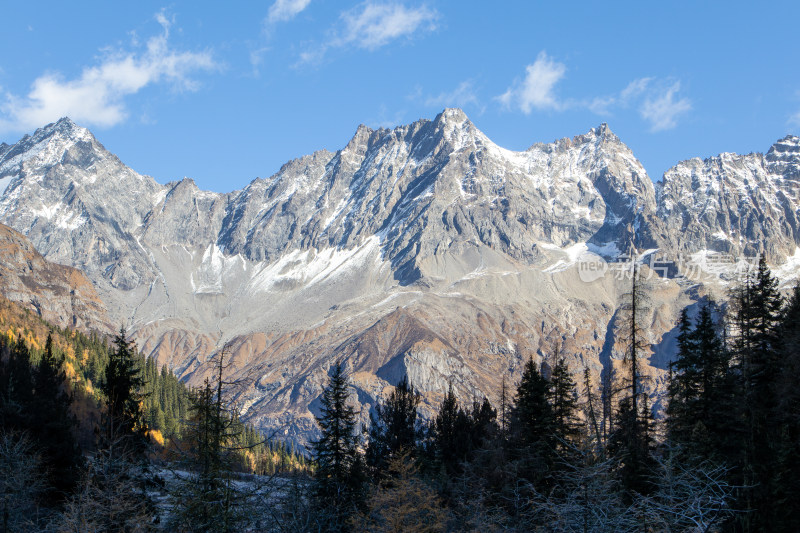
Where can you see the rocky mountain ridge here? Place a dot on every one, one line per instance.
(741, 205)
(425, 249)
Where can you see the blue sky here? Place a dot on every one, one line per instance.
(223, 93)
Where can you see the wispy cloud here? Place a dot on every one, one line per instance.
(663, 107)
(537, 89)
(97, 97)
(372, 25)
(657, 101)
(603, 105)
(462, 96)
(283, 10)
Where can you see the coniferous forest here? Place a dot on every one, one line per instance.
(89, 429)
(96, 438)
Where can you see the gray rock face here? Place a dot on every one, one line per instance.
(739, 205)
(425, 250)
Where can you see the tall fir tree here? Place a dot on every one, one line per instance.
(684, 384)
(449, 437)
(756, 321)
(532, 436)
(594, 435)
(340, 472)
(125, 427)
(16, 387)
(483, 419)
(711, 434)
(394, 428)
(54, 426)
(563, 398)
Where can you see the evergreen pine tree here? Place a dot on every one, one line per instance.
(450, 437)
(532, 436)
(504, 410)
(394, 429)
(631, 445)
(757, 320)
(340, 474)
(54, 426)
(16, 395)
(564, 401)
(483, 419)
(595, 437)
(714, 403)
(124, 423)
(684, 384)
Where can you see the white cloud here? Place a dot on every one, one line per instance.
(283, 10)
(462, 96)
(166, 23)
(97, 97)
(536, 91)
(374, 25)
(657, 100)
(371, 25)
(662, 109)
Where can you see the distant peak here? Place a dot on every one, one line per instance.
(451, 117)
(63, 127)
(360, 139)
(58, 137)
(456, 127)
(604, 132)
(453, 114)
(788, 147)
(65, 122)
(783, 157)
(788, 143)
(598, 135)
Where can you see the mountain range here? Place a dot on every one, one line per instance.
(425, 250)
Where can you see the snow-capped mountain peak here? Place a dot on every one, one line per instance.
(783, 158)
